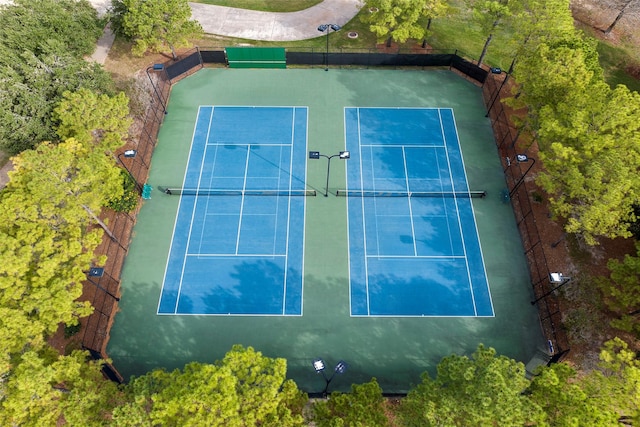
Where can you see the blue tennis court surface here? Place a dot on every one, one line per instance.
(240, 254)
(411, 256)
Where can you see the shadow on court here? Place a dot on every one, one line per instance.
(395, 350)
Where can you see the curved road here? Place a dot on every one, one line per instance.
(269, 26)
(266, 26)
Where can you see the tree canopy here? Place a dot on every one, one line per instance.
(154, 25)
(484, 389)
(587, 132)
(42, 46)
(400, 20)
(244, 388)
(46, 211)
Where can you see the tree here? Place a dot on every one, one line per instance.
(364, 406)
(622, 291)
(616, 385)
(46, 27)
(32, 87)
(399, 20)
(42, 45)
(93, 118)
(558, 392)
(46, 211)
(489, 14)
(48, 389)
(591, 154)
(482, 390)
(606, 396)
(542, 21)
(245, 388)
(153, 24)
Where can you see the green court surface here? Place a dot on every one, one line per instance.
(395, 350)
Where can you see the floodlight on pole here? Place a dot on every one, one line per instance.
(319, 366)
(521, 158)
(343, 155)
(130, 154)
(157, 67)
(99, 272)
(558, 279)
(326, 27)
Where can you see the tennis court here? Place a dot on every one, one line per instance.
(413, 243)
(240, 253)
(240, 210)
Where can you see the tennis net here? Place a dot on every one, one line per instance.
(219, 192)
(376, 193)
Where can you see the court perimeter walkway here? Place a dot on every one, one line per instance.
(269, 26)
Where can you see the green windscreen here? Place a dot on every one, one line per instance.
(256, 57)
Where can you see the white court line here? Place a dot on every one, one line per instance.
(244, 187)
(175, 221)
(344, 119)
(416, 257)
(304, 223)
(475, 223)
(403, 146)
(464, 246)
(364, 227)
(275, 231)
(242, 144)
(193, 213)
(234, 255)
(406, 183)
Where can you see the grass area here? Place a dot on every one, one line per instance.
(454, 32)
(616, 61)
(264, 5)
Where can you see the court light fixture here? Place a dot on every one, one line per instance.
(157, 67)
(130, 154)
(326, 27)
(558, 279)
(521, 158)
(343, 155)
(99, 272)
(319, 366)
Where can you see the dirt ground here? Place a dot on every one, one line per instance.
(600, 14)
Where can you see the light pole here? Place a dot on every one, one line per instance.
(555, 279)
(157, 67)
(521, 158)
(344, 155)
(326, 27)
(98, 272)
(319, 366)
(129, 154)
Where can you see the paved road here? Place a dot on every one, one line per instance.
(268, 26)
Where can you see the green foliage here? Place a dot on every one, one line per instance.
(245, 388)
(71, 330)
(621, 290)
(153, 25)
(587, 133)
(42, 51)
(47, 27)
(364, 406)
(94, 118)
(45, 389)
(558, 392)
(128, 201)
(400, 20)
(485, 389)
(45, 213)
(489, 14)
